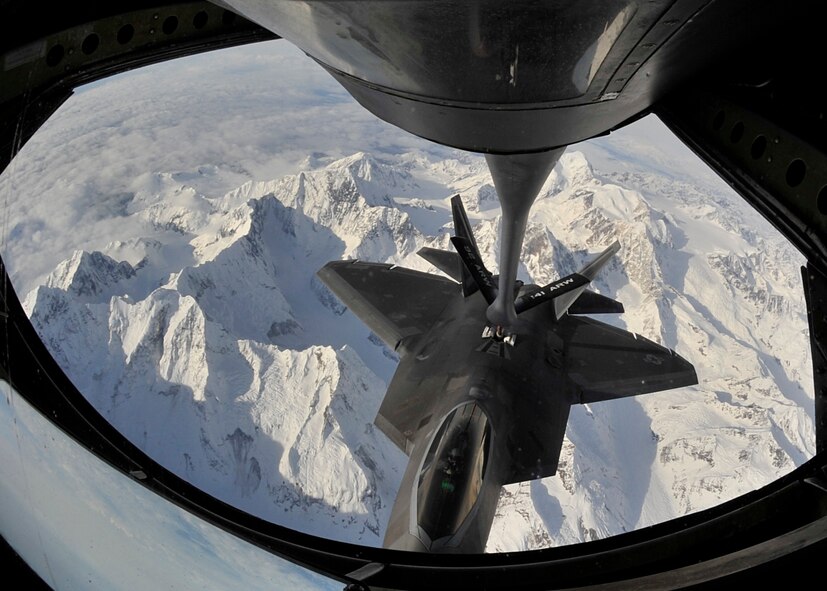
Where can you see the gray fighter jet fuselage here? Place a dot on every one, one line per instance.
(473, 395)
(476, 408)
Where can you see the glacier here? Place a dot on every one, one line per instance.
(211, 345)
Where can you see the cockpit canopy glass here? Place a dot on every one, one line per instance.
(453, 471)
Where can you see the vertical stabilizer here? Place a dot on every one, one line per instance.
(564, 301)
(566, 291)
(473, 274)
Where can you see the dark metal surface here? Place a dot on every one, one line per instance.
(777, 529)
(815, 291)
(462, 53)
(511, 77)
(781, 174)
(474, 412)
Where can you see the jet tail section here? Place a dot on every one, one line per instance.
(394, 302)
(568, 290)
(563, 302)
(568, 294)
(468, 251)
(474, 267)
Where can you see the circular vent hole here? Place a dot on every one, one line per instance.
(759, 146)
(822, 200)
(199, 21)
(55, 55)
(125, 34)
(795, 172)
(90, 44)
(170, 25)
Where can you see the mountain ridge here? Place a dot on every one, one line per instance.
(208, 358)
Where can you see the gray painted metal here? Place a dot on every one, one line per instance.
(516, 398)
(504, 77)
(784, 517)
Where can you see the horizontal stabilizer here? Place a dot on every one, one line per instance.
(590, 302)
(445, 260)
(563, 302)
(552, 290)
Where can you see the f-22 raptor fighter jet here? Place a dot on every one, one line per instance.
(477, 406)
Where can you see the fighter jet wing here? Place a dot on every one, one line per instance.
(607, 362)
(393, 302)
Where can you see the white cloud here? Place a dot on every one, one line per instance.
(248, 113)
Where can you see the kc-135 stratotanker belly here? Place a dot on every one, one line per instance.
(477, 405)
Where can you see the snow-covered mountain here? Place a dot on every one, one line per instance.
(212, 346)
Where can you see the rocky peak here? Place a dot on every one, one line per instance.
(90, 276)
